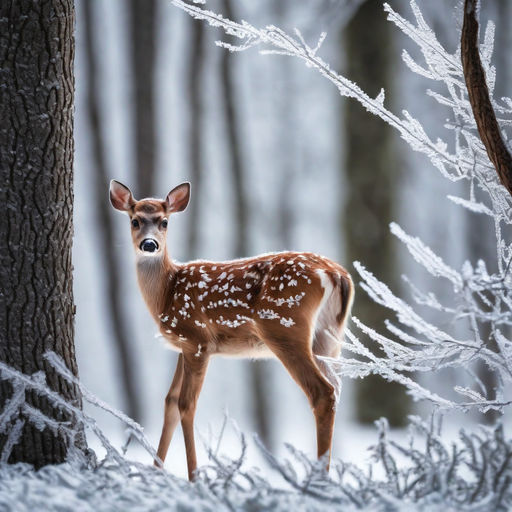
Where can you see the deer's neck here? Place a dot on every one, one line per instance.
(154, 274)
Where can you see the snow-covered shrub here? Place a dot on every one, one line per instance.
(17, 411)
(480, 296)
(423, 472)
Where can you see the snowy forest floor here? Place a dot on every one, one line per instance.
(427, 468)
(429, 473)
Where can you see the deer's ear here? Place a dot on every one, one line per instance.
(177, 199)
(121, 196)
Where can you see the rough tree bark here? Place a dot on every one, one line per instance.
(143, 39)
(258, 369)
(193, 87)
(371, 168)
(36, 206)
(103, 211)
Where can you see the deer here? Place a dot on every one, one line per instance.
(292, 306)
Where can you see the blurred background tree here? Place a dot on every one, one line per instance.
(120, 323)
(143, 37)
(193, 92)
(237, 173)
(372, 170)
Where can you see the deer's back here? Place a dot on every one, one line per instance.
(231, 307)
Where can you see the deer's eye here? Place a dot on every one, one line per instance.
(164, 224)
(135, 223)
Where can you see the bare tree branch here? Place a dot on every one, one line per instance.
(479, 99)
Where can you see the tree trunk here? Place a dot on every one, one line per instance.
(258, 369)
(143, 38)
(371, 177)
(36, 206)
(103, 212)
(233, 127)
(193, 88)
(288, 170)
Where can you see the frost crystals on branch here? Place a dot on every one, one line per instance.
(481, 298)
(16, 412)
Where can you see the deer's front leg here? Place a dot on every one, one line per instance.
(194, 371)
(171, 412)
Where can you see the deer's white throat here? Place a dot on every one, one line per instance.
(152, 270)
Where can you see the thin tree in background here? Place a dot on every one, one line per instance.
(36, 208)
(193, 88)
(238, 173)
(143, 16)
(287, 171)
(112, 281)
(480, 237)
(259, 371)
(371, 173)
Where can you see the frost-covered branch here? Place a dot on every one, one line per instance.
(471, 473)
(423, 471)
(281, 43)
(477, 316)
(17, 411)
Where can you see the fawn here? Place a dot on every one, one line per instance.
(289, 305)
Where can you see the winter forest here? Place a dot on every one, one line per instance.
(374, 134)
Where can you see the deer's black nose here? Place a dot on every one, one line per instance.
(148, 245)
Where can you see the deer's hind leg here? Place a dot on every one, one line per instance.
(298, 359)
(329, 326)
(327, 345)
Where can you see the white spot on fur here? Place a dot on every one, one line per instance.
(287, 322)
(267, 314)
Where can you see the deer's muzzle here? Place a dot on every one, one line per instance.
(148, 245)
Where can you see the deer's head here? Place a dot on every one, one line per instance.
(149, 217)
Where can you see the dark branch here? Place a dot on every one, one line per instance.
(479, 99)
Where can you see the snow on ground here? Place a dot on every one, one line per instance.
(224, 485)
(428, 472)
